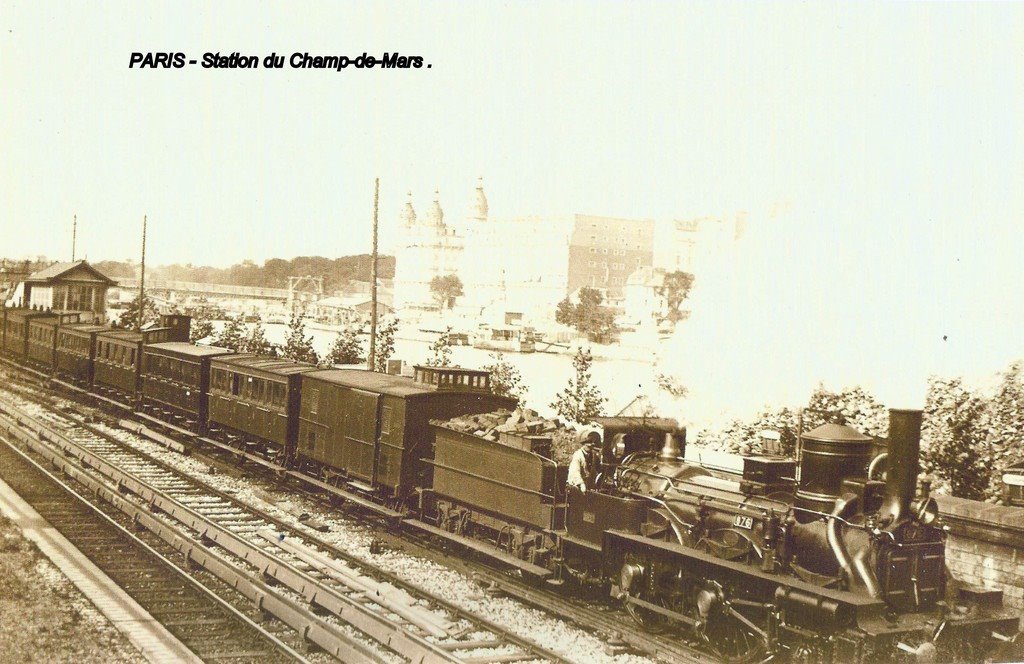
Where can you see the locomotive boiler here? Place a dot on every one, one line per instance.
(814, 560)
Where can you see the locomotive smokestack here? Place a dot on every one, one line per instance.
(904, 466)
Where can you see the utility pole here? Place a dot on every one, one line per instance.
(142, 276)
(74, 237)
(371, 360)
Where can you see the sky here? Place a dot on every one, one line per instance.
(891, 131)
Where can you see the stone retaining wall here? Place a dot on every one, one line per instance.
(986, 545)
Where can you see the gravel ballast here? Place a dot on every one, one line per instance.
(44, 617)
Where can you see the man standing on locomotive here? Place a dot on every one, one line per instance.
(584, 463)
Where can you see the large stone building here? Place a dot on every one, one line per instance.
(428, 248)
(522, 265)
(604, 251)
(698, 243)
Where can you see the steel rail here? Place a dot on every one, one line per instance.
(298, 617)
(392, 635)
(156, 555)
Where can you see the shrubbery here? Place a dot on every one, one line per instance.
(967, 438)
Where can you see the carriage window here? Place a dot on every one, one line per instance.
(385, 420)
(278, 394)
(236, 384)
(314, 400)
(131, 356)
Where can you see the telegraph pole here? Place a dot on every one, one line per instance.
(371, 360)
(74, 237)
(142, 276)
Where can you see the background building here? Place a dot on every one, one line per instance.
(521, 265)
(428, 248)
(75, 286)
(604, 251)
(696, 244)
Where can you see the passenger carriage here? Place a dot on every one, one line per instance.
(76, 351)
(15, 331)
(42, 337)
(176, 379)
(117, 368)
(254, 400)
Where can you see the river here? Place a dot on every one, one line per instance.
(544, 374)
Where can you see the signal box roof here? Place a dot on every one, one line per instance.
(250, 363)
(186, 349)
(72, 271)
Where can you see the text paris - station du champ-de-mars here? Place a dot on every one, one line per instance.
(166, 60)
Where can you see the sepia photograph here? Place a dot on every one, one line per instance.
(580, 332)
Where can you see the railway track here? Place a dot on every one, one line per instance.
(598, 617)
(209, 626)
(339, 604)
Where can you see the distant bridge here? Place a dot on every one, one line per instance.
(219, 291)
(176, 290)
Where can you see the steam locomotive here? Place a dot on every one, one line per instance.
(818, 559)
(838, 555)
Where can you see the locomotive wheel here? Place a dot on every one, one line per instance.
(729, 634)
(636, 581)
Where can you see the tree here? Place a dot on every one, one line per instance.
(566, 312)
(671, 386)
(954, 438)
(232, 336)
(675, 288)
(1006, 428)
(589, 316)
(506, 380)
(129, 318)
(580, 401)
(853, 406)
(257, 342)
(347, 348)
(441, 349)
(385, 345)
(297, 346)
(202, 326)
(445, 289)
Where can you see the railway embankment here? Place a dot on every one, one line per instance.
(986, 545)
(44, 617)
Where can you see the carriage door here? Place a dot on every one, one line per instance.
(361, 434)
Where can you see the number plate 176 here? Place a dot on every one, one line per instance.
(743, 521)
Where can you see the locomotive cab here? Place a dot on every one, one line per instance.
(605, 506)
